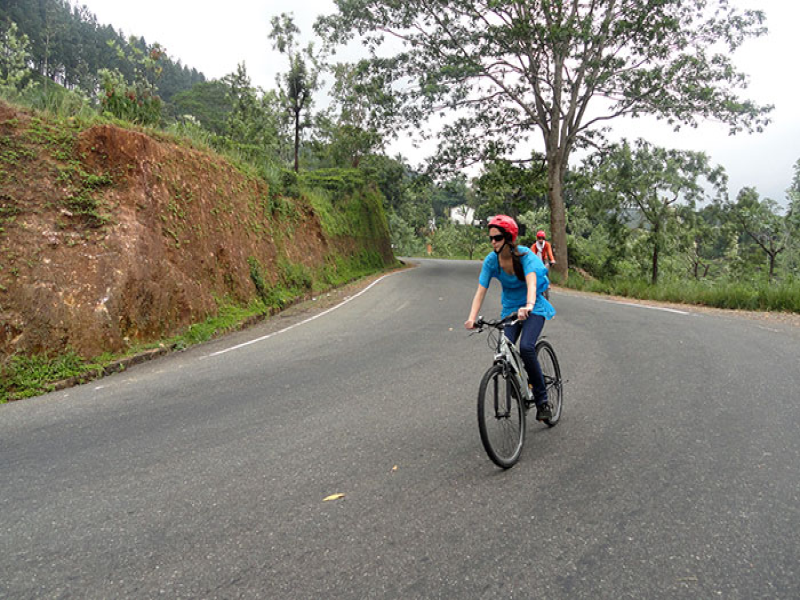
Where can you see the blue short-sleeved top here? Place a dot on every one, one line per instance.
(515, 292)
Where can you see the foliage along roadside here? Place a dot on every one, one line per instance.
(780, 297)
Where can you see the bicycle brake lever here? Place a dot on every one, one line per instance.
(478, 329)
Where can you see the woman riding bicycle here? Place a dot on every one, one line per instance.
(543, 249)
(523, 278)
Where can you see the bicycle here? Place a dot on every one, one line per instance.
(504, 396)
(546, 293)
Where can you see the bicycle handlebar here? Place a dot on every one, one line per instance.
(498, 324)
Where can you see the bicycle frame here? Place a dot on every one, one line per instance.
(507, 355)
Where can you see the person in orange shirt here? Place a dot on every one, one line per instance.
(543, 250)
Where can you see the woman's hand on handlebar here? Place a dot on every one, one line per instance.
(476, 323)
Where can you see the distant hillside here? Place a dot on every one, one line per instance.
(109, 237)
(69, 46)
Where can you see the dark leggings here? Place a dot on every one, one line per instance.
(530, 329)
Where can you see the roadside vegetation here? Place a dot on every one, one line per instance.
(777, 297)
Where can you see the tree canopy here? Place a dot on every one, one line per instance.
(560, 68)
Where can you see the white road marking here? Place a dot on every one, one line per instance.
(672, 310)
(317, 316)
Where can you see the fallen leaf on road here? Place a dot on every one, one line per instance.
(333, 497)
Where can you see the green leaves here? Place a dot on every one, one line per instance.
(254, 118)
(506, 188)
(14, 56)
(509, 69)
(647, 185)
(761, 222)
(283, 33)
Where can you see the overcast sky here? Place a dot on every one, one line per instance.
(215, 37)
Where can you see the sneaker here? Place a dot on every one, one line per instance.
(544, 411)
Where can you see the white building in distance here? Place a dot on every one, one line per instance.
(463, 215)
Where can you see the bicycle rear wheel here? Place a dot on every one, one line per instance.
(501, 417)
(552, 379)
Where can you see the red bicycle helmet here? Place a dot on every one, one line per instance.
(505, 223)
(541, 234)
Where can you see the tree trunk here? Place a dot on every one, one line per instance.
(656, 237)
(297, 141)
(655, 263)
(46, 59)
(558, 215)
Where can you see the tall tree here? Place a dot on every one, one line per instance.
(513, 67)
(650, 181)
(761, 222)
(252, 121)
(14, 56)
(300, 81)
(355, 123)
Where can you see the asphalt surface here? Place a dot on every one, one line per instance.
(674, 472)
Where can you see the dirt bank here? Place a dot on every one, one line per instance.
(111, 237)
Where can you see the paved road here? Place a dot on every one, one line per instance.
(673, 474)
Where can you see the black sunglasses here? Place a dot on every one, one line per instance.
(497, 238)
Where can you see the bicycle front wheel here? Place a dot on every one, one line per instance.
(501, 417)
(552, 379)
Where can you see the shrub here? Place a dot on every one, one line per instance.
(136, 103)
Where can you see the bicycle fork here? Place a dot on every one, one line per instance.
(502, 406)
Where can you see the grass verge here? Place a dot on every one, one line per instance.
(775, 297)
